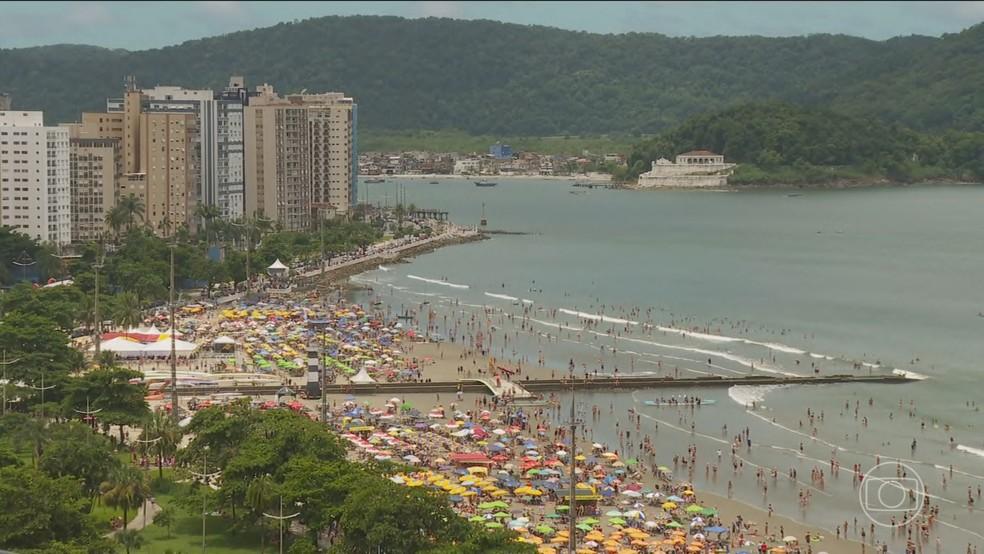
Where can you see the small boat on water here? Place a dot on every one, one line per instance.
(374, 181)
(435, 183)
(684, 403)
(485, 183)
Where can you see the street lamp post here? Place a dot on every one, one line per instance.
(145, 442)
(95, 309)
(24, 261)
(174, 357)
(42, 388)
(204, 476)
(6, 363)
(87, 412)
(281, 518)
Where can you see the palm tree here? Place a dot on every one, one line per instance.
(259, 495)
(131, 208)
(126, 489)
(116, 219)
(127, 312)
(165, 435)
(165, 518)
(207, 213)
(130, 539)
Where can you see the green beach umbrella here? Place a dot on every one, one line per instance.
(694, 508)
(499, 515)
(553, 516)
(545, 529)
(616, 521)
(563, 508)
(590, 521)
(709, 512)
(477, 519)
(487, 506)
(614, 513)
(500, 504)
(494, 525)
(631, 462)
(584, 527)
(674, 525)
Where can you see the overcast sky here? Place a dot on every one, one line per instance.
(141, 25)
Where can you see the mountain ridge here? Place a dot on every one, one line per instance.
(487, 77)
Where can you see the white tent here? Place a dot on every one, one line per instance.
(361, 378)
(224, 340)
(122, 347)
(278, 265)
(182, 348)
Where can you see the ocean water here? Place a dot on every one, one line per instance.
(693, 283)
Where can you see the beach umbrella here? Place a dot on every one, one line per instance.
(789, 539)
(494, 525)
(709, 512)
(545, 529)
(476, 519)
(632, 494)
(669, 505)
(587, 520)
(694, 508)
(616, 521)
(675, 498)
(613, 513)
(674, 525)
(500, 515)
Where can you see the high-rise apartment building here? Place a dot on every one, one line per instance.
(219, 119)
(34, 177)
(301, 156)
(95, 168)
(159, 153)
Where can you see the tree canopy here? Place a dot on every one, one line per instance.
(769, 138)
(486, 77)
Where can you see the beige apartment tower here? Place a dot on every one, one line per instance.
(157, 160)
(299, 153)
(95, 169)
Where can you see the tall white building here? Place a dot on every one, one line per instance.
(220, 126)
(34, 177)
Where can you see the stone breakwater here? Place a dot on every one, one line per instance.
(334, 274)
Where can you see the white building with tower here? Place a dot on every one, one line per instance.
(34, 177)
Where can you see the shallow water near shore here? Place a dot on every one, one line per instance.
(694, 283)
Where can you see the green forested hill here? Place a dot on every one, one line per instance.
(485, 77)
(775, 142)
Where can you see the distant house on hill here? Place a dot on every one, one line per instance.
(694, 169)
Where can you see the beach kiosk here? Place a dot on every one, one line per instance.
(586, 499)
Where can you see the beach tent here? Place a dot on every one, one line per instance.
(122, 347)
(224, 344)
(277, 269)
(182, 348)
(361, 378)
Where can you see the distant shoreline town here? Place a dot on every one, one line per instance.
(500, 160)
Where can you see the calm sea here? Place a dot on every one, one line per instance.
(773, 281)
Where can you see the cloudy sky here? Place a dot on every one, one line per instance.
(140, 25)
